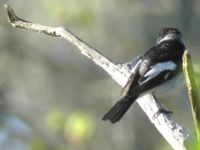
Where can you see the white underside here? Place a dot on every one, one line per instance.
(169, 87)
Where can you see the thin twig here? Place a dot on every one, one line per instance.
(174, 134)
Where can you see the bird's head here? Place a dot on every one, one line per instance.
(169, 34)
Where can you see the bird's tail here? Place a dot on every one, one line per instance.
(119, 109)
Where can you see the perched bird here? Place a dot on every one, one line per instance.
(159, 65)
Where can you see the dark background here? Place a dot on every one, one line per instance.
(53, 98)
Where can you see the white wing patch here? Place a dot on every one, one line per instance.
(158, 68)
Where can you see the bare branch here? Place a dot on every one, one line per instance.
(174, 134)
(85, 48)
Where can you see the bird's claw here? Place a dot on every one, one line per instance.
(161, 111)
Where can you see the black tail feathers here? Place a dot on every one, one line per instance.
(118, 110)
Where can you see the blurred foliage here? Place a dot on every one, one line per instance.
(75, 12)
(193, 95)
(56, 120)
(197, 74)
(78, 128)
(39, 73)
(37, 144)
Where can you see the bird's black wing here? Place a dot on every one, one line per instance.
(132, 79)
(161, 70)
(159, 64)
(122, 105)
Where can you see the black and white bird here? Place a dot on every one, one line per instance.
(159, 65)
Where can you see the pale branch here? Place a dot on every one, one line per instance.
(165, 123)
(85, 48)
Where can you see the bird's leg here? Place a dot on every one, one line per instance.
(161, 110)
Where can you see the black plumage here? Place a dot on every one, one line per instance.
(159, 64)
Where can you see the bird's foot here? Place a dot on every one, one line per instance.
(161, 111)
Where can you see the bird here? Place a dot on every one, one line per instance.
(157, 66)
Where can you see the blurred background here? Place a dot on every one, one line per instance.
(53, 98)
